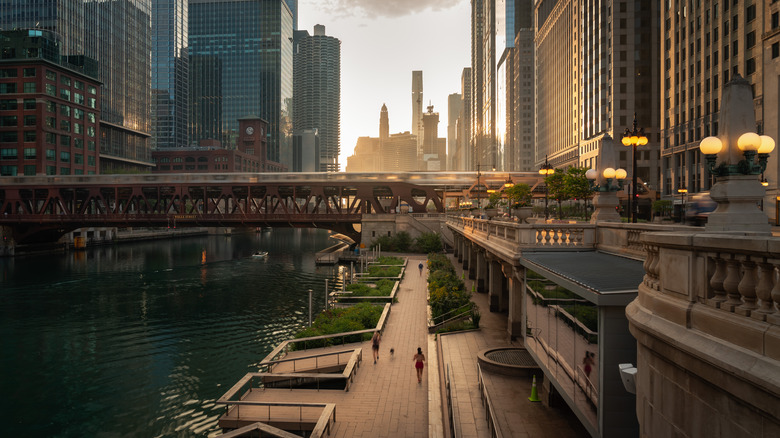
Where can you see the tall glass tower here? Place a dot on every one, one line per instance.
(241, 59)
(117, 34)
(170, 74)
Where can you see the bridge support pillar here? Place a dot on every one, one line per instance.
(496, 287)
(481, 271)
(514, 324)
(456, 250)
(471, 263)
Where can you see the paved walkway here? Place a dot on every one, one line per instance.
(516, 416)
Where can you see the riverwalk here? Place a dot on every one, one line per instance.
(385, 399)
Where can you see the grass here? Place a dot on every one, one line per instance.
(382, 288)
(341, 320)
(384, 260)
(383, 271)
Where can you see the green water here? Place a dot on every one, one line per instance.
(140, 339)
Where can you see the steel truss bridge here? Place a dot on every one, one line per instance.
(42, 208)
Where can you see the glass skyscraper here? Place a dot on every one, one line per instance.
(241, 59)
(117, 34)
(170, 74)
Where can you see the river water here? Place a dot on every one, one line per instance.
(140, 339)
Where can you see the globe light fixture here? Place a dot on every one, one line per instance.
(750, 144)
(545, 171)
(609, 174)
(633, 138)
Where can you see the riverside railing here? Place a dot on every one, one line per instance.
(284, 412)
(490, 413)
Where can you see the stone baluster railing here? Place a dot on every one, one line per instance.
(651, 267)
(746, 285)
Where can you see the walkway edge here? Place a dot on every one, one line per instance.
(435, 419)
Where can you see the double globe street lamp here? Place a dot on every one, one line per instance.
(633, 138)
(546, 170)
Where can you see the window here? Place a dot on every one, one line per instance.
(30, 120)
(51, 138)
(775, 50)
(28, 72)
(735, 22)
(8, 153)
(78, 128)
(65, 110)
(78, 85)
(65, 140)
(8, 104)
(8, 121)
(51, 90)
(50, 75)
(29, 136)
(64, 94)
(8, 73)
(51, 122)
(29, 169)
(29, 104)
(8, 170)
(735, 48)
(91, 160)
(51, 106)
(750, 66)
(30, 153)
(78, 159)
(750, 13)
(51, 170)
(65, 157)
(91, 145)
(29, 87)
(775, 20)
(65, 125)
(78, 114)
(91, 89)
(7, 88)
(64, 80)
(92, 102)
(50, 154)
(78, 143)
(90, 131)
(9, 137)
(78, 98)
(64, 171)
(91, 117)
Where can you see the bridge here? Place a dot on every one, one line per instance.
(42, 208)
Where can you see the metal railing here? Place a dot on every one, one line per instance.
(490, 413)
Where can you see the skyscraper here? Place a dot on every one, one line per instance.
(417, 105)
(465, 123)
(454, 148)
(241, 62)
(170, 74)
(117, 35)
(317, 92)
(384, 123)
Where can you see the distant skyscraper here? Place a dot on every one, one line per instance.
(118, 36)
(465, 130)
(434, 149)
(384, 123)
(241, 62)
(170, 74)
(454, 148)
(417, 105)
(317, 92)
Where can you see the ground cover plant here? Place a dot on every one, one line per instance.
(383, 271)
(380, 288)
(341, 320)
(385, 260)
(446, 292)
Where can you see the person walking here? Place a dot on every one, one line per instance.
(421, 268)
(375, 340)
(587, 363)
(419, 364)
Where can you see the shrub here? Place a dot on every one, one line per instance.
(384, 260)
(341, 320)
(383, 288)
(401, 242)
(383, 271)
(428, 242)
(446, 292)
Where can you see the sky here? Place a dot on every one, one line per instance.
(382, 42)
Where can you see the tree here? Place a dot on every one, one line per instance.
(577, 185)
(519, 195)
(556, 189)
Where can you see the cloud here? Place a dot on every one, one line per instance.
(384, 8)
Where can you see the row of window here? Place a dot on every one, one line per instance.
(51, 138)
(29, 170)
(51, 154)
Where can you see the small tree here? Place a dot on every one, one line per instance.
(519, 195)
(662, 207)
(577, 185)
(556, 189)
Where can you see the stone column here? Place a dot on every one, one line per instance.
(471, 263)
(516, 317)
(456, 246)
(605, 207)
(481, 271)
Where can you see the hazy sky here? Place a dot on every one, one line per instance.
(382, 41)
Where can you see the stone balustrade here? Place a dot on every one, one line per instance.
(516, 236)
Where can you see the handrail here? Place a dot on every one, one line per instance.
(490, 413)
(323, 422)
(470, 305)
(338, 354)
(261, 427)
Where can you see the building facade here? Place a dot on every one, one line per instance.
(49, 108)
(170, 74)
(241, 57)
(707, 44)
(317, 93)
(118, 36)
(465, 134)
(521, 123)
(455, 149)
(417, 105)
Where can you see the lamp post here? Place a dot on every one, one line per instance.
(633, 138)
(479, 174)
(682, 193)
(546, 170)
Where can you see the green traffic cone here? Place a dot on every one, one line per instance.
(534, 395)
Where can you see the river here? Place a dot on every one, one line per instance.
(140, 339)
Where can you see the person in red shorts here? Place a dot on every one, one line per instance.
(419, 364)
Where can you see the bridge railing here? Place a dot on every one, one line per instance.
(513, 236)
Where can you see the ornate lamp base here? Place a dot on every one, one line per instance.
(738, 197)
(605, 204)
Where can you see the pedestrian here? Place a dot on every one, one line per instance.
(421, 268)
(587, 363)
(419, 364)
(375, 340)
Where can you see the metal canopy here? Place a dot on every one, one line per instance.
(589, 272)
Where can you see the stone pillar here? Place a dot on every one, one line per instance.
(605, 210)
(481, 271)
(516, 317)
(456, 246)
(471, 263)
(496, 286)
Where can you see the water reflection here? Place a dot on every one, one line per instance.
(563, 331)
(140, 339)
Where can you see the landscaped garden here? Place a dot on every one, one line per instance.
(447, 295)
(361, 316)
